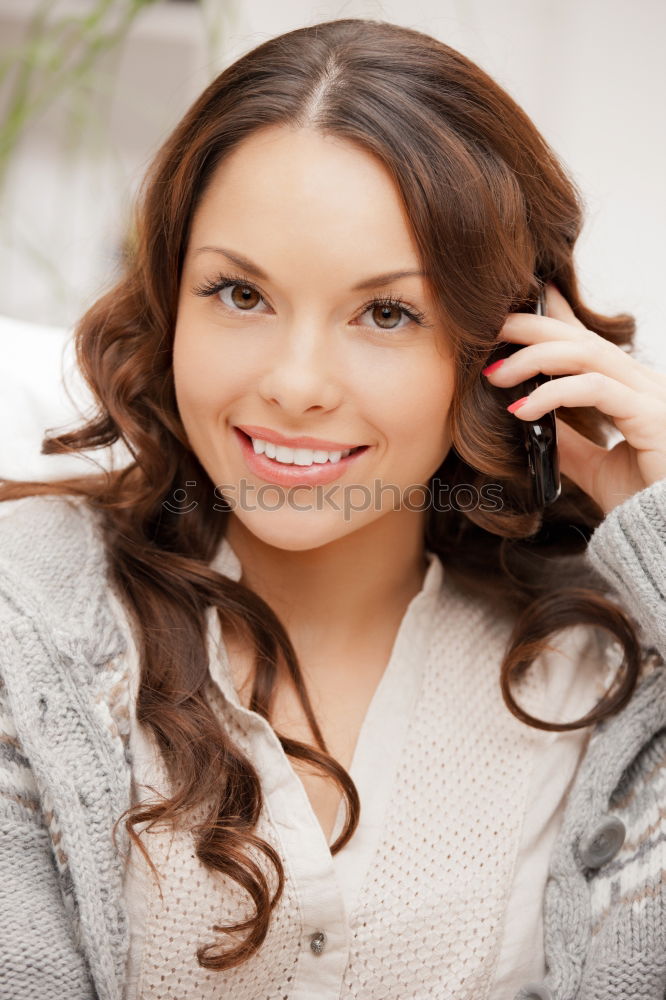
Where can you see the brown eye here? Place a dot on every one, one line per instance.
(382, 315)
(244, 296)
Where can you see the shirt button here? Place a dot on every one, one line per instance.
(535, 991)
(317, 942)
(603, 842)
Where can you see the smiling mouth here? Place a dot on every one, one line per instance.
(353, 451)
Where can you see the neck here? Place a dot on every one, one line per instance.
(337, 592)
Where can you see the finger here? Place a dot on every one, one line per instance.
(656, 377)
(573, 357)
(579, 458)
(558, 307)
(640, 418)
(529, 328)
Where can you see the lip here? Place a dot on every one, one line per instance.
(296, 442)
(292, 475)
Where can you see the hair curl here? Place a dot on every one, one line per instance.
(495, 216)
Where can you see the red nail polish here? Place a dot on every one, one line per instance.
(491, 368)
(519, 402)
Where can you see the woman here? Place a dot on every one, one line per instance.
(348, 743)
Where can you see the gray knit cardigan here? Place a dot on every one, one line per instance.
(65, 775)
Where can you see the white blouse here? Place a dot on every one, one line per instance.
(439, 892)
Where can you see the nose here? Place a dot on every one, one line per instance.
(302, 373)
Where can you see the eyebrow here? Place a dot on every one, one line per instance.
(245, 264)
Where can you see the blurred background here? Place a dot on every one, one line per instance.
(90, 88)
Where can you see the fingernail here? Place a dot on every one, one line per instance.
(491, 368)
(519, 402)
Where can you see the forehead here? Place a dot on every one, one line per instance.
(282, 186)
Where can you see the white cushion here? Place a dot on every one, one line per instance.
(42, 389)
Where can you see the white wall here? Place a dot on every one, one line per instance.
(66, 201)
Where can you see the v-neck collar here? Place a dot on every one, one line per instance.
(384, 729)
(228, 564)
(382, 736)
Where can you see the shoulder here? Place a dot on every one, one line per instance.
(52, 557)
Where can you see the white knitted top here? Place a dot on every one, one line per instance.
(439, 892)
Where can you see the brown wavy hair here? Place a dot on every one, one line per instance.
(495, 216)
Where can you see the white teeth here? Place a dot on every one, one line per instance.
(296, 456)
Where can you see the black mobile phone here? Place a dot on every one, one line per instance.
(540, 436)
(541, 439)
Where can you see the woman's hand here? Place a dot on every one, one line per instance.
(605, 377)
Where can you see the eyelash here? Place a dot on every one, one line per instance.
(389, 301)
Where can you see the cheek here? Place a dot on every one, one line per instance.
(186, 365)
(201, 374)
(416, 422)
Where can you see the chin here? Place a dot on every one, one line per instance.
(297, 531)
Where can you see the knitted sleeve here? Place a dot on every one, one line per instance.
(38, 954)
(605, 912)
(48, 564)
(629, 549)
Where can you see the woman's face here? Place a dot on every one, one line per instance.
(294, 347)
